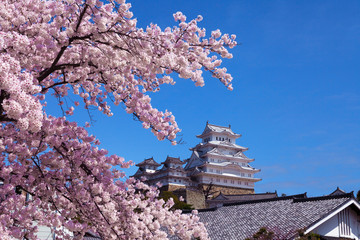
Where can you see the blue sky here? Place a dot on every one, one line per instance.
(296, 97)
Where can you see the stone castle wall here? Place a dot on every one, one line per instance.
(227, 190)
(192, 196)
(172, 188)
(196, 198)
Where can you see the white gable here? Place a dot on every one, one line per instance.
(345, 222)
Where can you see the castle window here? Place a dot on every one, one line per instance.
(225, 181)
(218, 171)
(211, 170)
(174, 180)
(239, 182)
(218, 180)
(247, 184)
(249, 175)
(232, 181)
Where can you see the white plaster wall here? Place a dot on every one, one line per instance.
(330, 228)
(44, 233)
(232, 171)
(355, 224)
(207, 179)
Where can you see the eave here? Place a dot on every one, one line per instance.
(228, 176)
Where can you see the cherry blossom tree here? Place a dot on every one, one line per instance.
(95, 52)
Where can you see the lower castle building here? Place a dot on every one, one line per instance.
(217, 164)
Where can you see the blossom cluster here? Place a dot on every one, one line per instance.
(17, 90)
(72, 183)
(95, 51)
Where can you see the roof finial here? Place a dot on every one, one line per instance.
(207, 122)
(229, 126)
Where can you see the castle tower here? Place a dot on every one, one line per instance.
(171, 176)
(146, 168)
(218, 161)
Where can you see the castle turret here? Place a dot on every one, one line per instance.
(171, 176)
(219, 161)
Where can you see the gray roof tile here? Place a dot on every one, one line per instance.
(284, 215)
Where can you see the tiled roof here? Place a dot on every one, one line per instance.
(216, 151)
(223, 198)
(285, 215)
(337, 191)
(234, 146)
(91, 236)
(149, 161)
(167, 169)
(218, 129)
(242, 155)
(173, 160)
(228, 144)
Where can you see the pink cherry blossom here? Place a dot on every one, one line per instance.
(95, 51)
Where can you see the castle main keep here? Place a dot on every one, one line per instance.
(216, 162)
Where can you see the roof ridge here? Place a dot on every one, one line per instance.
(200, 210)
(217, 125)
(297, 196)
(248, 202)
(249, 194)
(326, 197)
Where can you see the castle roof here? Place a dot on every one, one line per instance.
(242, 155)
(285, 215)
(173, 160)
(167, 169)
(224, 144)
(223, 198)
(224, 164)
(216, 152)
(148, 161)
(211, 128)
(337, 191)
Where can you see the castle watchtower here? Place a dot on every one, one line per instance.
(219, 161)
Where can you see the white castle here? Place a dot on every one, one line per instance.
(217, 161)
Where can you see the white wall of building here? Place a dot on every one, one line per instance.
(223, 181)
(344, 224)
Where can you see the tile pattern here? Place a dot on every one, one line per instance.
(284, 215)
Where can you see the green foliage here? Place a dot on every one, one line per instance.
(309, 236)
(166, 195)
(265, 234)
(262, 234)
